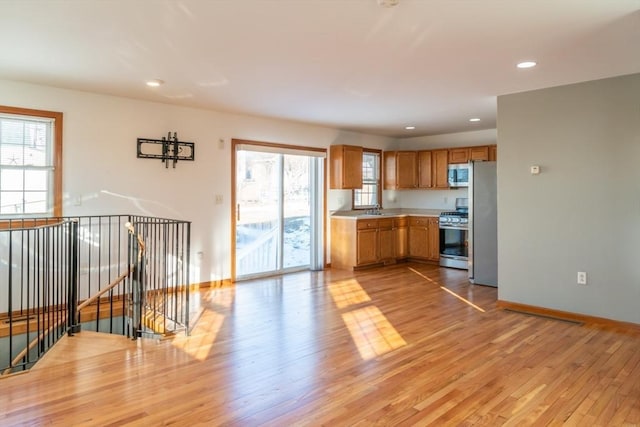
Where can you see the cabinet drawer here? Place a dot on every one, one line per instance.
(385, 223)
(365, 224)
(400, 222)
(419, 221)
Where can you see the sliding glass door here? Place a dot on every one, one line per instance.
(278, 214)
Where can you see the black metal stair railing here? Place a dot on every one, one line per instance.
(60, 275)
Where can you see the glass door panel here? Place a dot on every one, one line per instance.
(296, 248)
(279, 218)
(258, 223)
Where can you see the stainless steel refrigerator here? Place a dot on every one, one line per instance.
(483, 224)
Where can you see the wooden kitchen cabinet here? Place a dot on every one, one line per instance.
(432, 169)
(425, 169)
(401, 231)
(367, 242)
(419, 238)
(386, 240)
(400, 170)
(465, 154)
(356, 243)
(439, 167)
(458, 155)
(493, 153)
(345, 167)
(479, 153)
(433, 251)
(424, 238)
(367, 246)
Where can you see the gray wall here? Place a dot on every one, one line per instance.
(582, 213)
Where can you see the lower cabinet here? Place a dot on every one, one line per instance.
(367, 246)
(424, 238)
(433, 253)
(386, 240)
(418, 238)
(366, 242)
(401, 236)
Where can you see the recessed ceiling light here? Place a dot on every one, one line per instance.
(154, 83)
(409, 127)
(388, 3)
(527, 64)
(475, 119)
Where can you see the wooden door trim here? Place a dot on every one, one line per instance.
(234, 143)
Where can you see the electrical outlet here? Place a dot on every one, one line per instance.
(221, 144)
(218, 199)
(582, 278)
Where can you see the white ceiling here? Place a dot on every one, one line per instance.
(348, 64)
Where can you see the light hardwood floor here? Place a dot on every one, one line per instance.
(403, 345)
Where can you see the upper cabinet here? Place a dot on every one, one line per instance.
(466, 154)
(400, 170)
(432, 169)
(493, 153)
(345, 167)
(479, 153)
(417, 169)
(459, 155)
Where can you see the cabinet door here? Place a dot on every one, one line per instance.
(440, 165)
(402, 237)
(458, 155)
(367, 246)
(346, 167)
(406, 169)
(493, 153)
(386, 243)
(419, 237)
(434, 240)
(425, 170)
(390, 180)
(352, 171)
(479, 153)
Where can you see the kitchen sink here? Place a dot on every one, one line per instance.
(372, 214)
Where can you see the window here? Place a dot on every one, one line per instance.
(30, 163)
(370, 194)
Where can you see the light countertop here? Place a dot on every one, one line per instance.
(386, 213)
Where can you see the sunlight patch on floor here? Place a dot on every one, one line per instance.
(222, 297)
(199, 343)
(372, 332)
(466, 301)
(348, 292)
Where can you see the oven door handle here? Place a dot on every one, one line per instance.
(453, 228)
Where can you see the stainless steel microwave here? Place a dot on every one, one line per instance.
(458, 175)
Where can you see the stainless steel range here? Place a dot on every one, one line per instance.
(454, 236)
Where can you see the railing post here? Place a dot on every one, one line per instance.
(138, 293)
(136, 252)
(72, 278)
(188, 280)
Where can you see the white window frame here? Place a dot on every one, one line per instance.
(52, 165)
(369, 181)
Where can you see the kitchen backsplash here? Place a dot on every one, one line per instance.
(417, 199)
(430, 199)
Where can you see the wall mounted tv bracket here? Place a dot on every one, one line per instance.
(167, 149)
